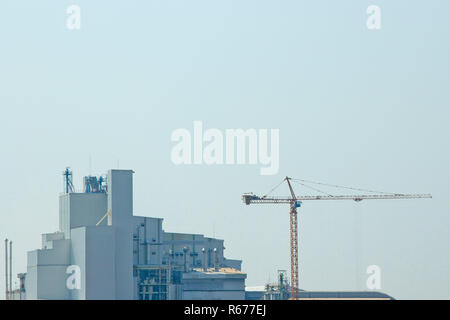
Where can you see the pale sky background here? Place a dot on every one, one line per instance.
(354, 107)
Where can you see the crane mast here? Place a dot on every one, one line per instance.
(295, 201)
(294, 241)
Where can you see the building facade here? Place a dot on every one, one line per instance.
(103, 251)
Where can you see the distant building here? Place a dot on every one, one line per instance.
(281, 291)
(102, 251)
(254, 293)
(265, 293)
(214, 284)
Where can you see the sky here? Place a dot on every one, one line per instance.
(357, 107)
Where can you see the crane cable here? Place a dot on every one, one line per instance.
(302, 182)
(271, 190)
(313, 188)
(337, 186)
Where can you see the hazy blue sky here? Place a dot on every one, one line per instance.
(359, 107)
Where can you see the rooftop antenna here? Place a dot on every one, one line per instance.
(68, 185)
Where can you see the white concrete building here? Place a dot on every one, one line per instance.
(102, 251)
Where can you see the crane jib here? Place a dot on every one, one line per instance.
(247, 199)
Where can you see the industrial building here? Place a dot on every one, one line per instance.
(103, 251)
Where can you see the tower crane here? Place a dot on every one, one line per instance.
(295, 202)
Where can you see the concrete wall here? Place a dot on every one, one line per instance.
(80, 210)
(46, 272)
(120, 203)
(78, 257)
(48, 238)
(94, 253)
(100, 268)
(148, 237)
